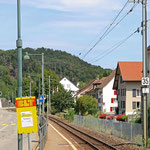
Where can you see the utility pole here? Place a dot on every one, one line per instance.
(43, 81)
(30, 88)
(49, 94)
(19, 49)
(145, 79)
(12, 97)
(15, 97)
(39, 85)
(145, 68)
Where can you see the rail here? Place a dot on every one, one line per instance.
(88, 139)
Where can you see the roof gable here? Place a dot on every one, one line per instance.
(66, 81)
(106, 80)
(131, 71)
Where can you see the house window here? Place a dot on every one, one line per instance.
(121, 93)
(134, 92)
(138, 104)
(123, 104)
(118, 91)
(133, 105)
(124, 92)
(138, 92)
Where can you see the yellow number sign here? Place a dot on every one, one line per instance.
(26, 115)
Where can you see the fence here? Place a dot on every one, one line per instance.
(42, 133)
(128, 131)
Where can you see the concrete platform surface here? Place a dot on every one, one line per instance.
(58, 140)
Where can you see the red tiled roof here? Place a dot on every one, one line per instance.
(130, 71)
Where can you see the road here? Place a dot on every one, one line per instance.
(8, 132)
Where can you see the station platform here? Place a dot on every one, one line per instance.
(58, 140)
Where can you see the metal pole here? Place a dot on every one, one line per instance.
(49, 94)
(12, 97)
(15, 96)
(43, 81)
(39, 95)
(19, 49)
(39, 85)
(30, 88)
(47, 108)
(29, 147)
(144, 39)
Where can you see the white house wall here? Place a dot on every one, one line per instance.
(69, 86)
(108, 93)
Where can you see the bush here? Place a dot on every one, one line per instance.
(93, 111)
(85, 103)
(102, 116)
(69, 116)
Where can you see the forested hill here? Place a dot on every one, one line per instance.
(64, 64)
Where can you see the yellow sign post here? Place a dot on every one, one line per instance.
(26, 115)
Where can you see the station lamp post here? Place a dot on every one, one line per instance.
(27, 56)
(19, 51)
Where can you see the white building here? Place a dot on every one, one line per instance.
(107, 101)
(69, 86)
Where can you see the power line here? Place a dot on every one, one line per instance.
(114, 47)
(94, 39)
(107, 32)
(108, 26)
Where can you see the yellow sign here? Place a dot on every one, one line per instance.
(26, 115)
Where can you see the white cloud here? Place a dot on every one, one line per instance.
(74, 5)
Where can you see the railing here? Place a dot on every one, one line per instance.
(42, 133)
(128, 131)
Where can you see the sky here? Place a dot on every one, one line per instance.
(75, 26)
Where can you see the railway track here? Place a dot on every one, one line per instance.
(89, 140)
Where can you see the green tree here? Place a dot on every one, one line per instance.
(85, 103)
(62, 99)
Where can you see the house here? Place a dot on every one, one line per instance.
(105, 95)
(128, 85)
(69, 86)
(107, 101)
(85, 89)
(93, 90)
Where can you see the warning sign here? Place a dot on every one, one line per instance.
(26, 115)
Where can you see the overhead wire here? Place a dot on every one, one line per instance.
(108, 31)
(94, 39)
(115, 46)
(108, 26)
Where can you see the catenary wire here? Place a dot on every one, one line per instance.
(107, 27)
(106, 33)
(114, 47)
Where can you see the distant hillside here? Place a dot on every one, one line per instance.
(64, 64)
